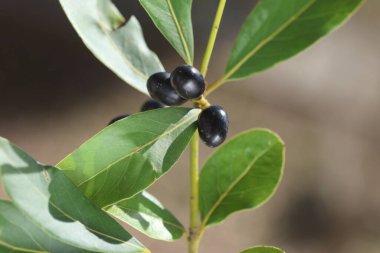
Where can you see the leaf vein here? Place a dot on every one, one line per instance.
(180, 32)
(13, 247)
(71, 218)
(153, 216)
(117, 48)
(138, 149)
(267, 40)
(234, 183)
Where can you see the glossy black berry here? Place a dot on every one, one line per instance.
(160, 89)
(188, 82)
(118, 118)
(213, 125)
(151, 105)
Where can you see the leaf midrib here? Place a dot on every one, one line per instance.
(26, 232)
(71, 218)
(234, 183)
(13, 247)
(267, 40)
(180, 32)
(151, 215)
(120, 52)
(138, 149)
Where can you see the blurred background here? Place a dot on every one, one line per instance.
(324, 103)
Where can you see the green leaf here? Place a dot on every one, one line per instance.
(120, 45)
(19, 234)
(146, 214)
(56, 206)
(263, 249)
(277, 30)
(128, 156)
(173, 19)
(242, 174)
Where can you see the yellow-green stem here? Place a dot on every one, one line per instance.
(194, 199)
(212, 39)
(201, 103)
(194, 234)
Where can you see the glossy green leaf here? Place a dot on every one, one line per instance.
(173, 19)
(56, 206)
(146, 214)
(277, 30)
(128, 156)
(19, 234)
(263, 249)
(242, 174)
(120, 45)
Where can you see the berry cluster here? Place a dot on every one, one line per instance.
(183, 84)
(186, 83)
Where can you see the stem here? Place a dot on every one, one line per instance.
(202, 102)
(212, 39)
(194, 198)
(194, 234)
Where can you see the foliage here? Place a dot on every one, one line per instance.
(69, 207)
(251, 179)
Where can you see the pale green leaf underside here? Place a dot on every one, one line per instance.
(118, 44)
(277, 30)
(173, 19)
(19, 234)
(263, 249)
(242, 174)
(56, 206)
(130, 155)
(146, 214)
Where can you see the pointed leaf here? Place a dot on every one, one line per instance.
(242, 174)
(173, 19)
(146, 214)
(128, 156)
(277, 30)
(263, 249)
(120, 45)
(19, 234)
(55, 205)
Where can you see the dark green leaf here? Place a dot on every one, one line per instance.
(19, 234)
(242, 174)
(277, 30)
(263, 249)
(146, 214)
(128, 156)
(56, 206)
(120, 45)
(173, 19)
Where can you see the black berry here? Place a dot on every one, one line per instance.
(213, 125)
(118, 118)
(160, 89)
(188, 82)
(151, 105)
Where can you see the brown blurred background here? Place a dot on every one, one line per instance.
(324, 103)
